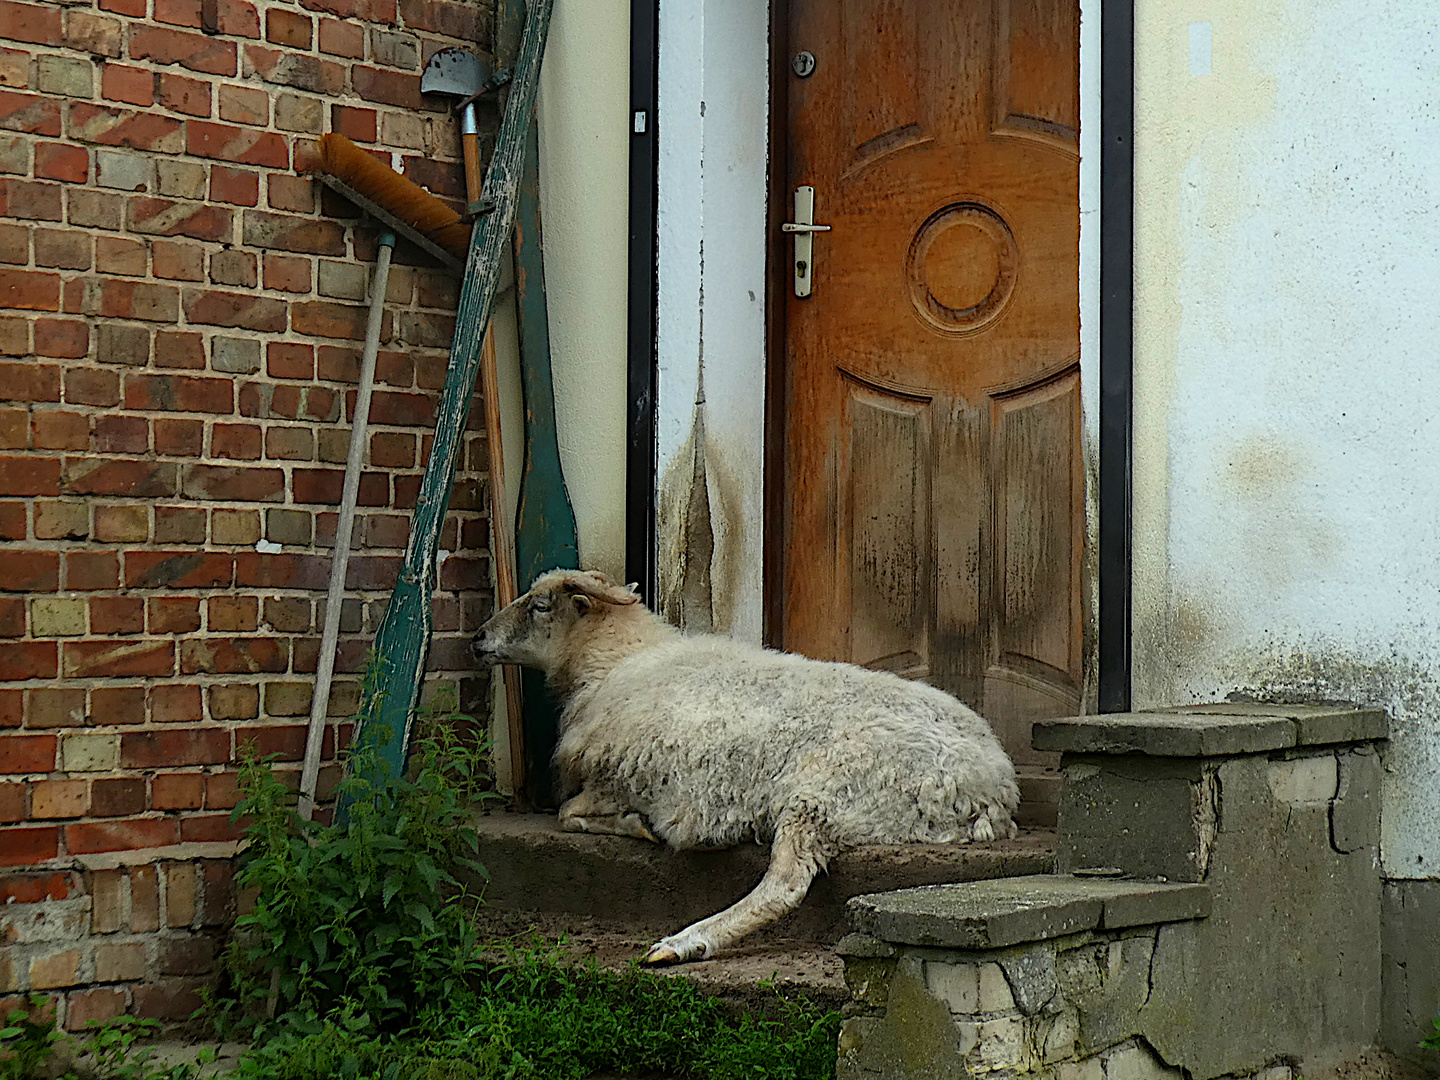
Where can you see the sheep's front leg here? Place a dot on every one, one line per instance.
(795, 858)
(595, 812)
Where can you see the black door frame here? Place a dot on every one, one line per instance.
(1117, 130)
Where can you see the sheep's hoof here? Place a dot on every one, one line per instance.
(659, 955)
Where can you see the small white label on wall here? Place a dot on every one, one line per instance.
(1201, 36)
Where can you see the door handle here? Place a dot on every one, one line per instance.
(804, 229)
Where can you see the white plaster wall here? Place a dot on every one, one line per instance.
(1287, 337)
(584, 115)
(713, 117)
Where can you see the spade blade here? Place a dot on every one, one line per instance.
(454, 71)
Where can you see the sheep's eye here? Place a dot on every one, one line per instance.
(540, 603)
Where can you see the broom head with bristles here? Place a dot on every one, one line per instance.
(409, 202)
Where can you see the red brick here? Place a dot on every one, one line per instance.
(238, 18)
(176, 704)
(88, 386)
(243, 105)
(108, 126)
(194, 51)
(90, 570)
(94, 836)
(396, 88)
(180, 393)
(119, 476)
(122, 522)
(119, 658)
(10, 709)
(118, 797)
(243, 310)
(180, 524)
(339, 38)
(238, 441)
(233, 656)
(179, 438)
(209, 829)
(118, 255)
(322, 318)
(56, 429)
(61, 161)
(29, 476)
(12, 620)
(173, 1000)
(29, 113)
(119, 299)
(177, 261)
(233, 267)
(26, 847)
(292, 69)
(178, 349)
(84, 1008)
(227, 483)
(185, 95)
(287, 274)
(29, 290)
(121, 435)
(38, 24)
(12, 810)
(30, 571)
(288, 28)
(117, 705)
(31, 201)
(166, 217)
(289, 360)
(238, 186)
(133, 8)
(28, 660)
(174, 614)
(178, 570)
(210, 140)
(173, 747)
(256, 570)
(59, 799)
(132, 85)
(177, 791)
(94, 34)
(314, 236)
(27, 753)
(33, 888)
(283, 742)
(30, 381)
(117, 615)
(356, 124)
(64, 339)
(441, 178)
(178, 12)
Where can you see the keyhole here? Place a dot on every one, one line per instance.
(800, 267)
(803, 64)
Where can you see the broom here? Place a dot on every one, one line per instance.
(403, 205)
(432, 225)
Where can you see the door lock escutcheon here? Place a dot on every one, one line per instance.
(804, 230)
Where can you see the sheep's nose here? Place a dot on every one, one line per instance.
(481, 648)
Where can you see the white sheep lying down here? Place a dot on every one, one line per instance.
(702, 741)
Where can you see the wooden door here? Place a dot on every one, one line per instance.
(933, 511)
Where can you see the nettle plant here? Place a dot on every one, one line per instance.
(365, 915)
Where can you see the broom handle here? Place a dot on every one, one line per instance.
(340, 553)
(502, 551)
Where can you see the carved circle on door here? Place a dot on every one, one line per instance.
(961, 267)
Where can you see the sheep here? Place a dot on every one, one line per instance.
(703, 741)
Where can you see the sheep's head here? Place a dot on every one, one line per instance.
(528, 631)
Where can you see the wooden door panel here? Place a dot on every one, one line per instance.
(888, 553)
(932, 503)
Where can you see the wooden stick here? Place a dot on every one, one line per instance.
(502, 550)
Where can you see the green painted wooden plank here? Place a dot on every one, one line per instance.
(403, 641)
(545, 530)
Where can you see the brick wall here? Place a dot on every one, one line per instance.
(180, 319)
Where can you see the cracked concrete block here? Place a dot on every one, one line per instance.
(958, 985)
(1410, 956)
(1144, 815)
(1032, 977)
(1355, 813)
(1001, 1042)
(868, 979)
(1058, 1035)
(1089, 1069)
(916, 1036)
(1137, 1062)
(1305, 781)
(1108, 984)
(995, 993)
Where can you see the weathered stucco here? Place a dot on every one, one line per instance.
(1287, 360)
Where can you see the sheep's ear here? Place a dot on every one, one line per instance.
(583, 603)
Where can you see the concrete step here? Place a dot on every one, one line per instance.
(649, 890)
